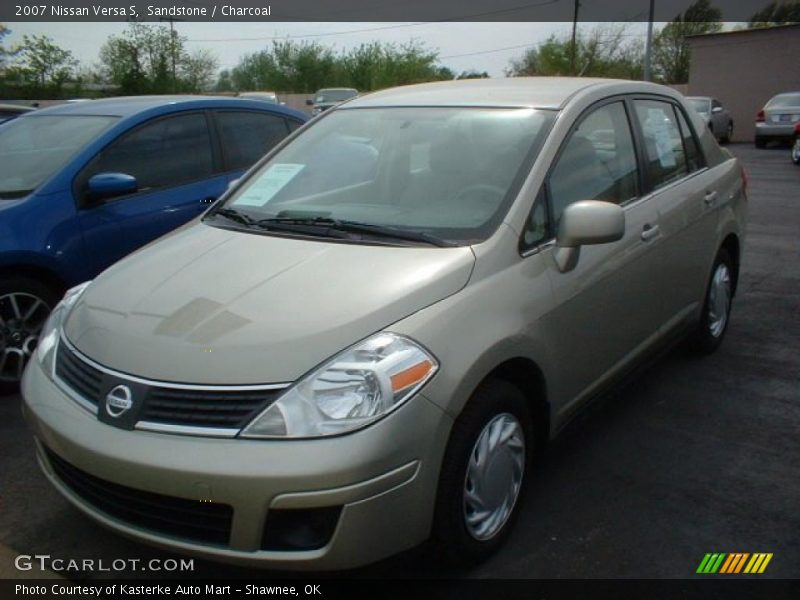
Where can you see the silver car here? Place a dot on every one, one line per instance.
(364, 343)
(777, 120)
(716, 116)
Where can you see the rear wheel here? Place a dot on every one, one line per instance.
(482, 474)
(25, 304)
(726, 138)
(796, 150)
(716, 307)
(761, 142)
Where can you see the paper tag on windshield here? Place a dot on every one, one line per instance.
(272, 181)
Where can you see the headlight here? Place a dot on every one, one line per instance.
(350, 391)
(48, 338)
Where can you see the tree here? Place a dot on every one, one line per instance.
(776, 13)
(42, 65)
(5, 54)
(601, 52)
(224, 81)
(152, 59)
(671, 53)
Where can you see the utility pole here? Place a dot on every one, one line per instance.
(172, 49)
(574, 34)
(648, 52)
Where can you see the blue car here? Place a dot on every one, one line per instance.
(84, 184)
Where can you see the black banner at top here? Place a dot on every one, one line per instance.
(365, 10)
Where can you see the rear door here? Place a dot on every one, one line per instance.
(686, 194)
(179, 173)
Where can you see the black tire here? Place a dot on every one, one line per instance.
(796, 150)
(14, 336)
(451, 540)
(761, 142)
(713, 325)
(726, 138)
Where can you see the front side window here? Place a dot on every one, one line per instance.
(663, 144)
(447, 172)
(33, 148)
(693, 155)
(164, 153)
(248, 135)
(598, 161)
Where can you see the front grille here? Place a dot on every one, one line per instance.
(83, 378)
(204, 408)
(206, 522)
(164, 404)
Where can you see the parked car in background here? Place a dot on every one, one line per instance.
(796, 145)
(270, 97)
(334, 365)
(777, 120)
(12, 111)
(83, 184)
(329, 97)
(717, 118)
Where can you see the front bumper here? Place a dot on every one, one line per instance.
(383, 478)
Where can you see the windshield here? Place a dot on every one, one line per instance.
(701, 105)
(334, 95)
(33, 148)
(784, 100)
(443, 172)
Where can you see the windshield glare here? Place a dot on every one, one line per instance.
(700, 105)
(449, 172)
(34, 148)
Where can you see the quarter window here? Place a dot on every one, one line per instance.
(166, 152)
(663, 144)
(598, 161)
(247, 136)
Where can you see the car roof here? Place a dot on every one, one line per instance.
(533, 92)
(16, 108)
(126, 106)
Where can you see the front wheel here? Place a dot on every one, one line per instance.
(482, 474)
(728, 136)
(25, 304)
(716, 307)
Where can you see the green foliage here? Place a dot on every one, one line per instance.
(473, 74)
(671, 53)
(776, 13)
(152, 59)
(40, 67)
(308, 66)
(602, 52)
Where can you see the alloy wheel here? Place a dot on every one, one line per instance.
(719, 300)
(22, 316)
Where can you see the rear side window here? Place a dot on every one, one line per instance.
(598, 161)
(247, 136)
(694, 157)
(663, 143)
(162, 153)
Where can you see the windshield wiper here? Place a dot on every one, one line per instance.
(334, 225)
(234, 215)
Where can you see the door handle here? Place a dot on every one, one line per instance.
(710, 198)
(649, 232)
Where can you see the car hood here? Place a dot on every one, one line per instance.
(214, 306)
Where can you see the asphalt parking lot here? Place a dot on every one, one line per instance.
(693, 456)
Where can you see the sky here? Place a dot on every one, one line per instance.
(462, 46)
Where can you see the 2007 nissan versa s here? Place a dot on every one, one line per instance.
(362, 344)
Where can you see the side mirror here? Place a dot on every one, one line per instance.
(584, 223)
(233, 182)
(309, 102)
(716, 109)
(110, 185)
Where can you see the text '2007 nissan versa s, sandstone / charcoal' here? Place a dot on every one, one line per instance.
(361, 345)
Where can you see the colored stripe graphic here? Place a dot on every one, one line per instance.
(734, 563)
